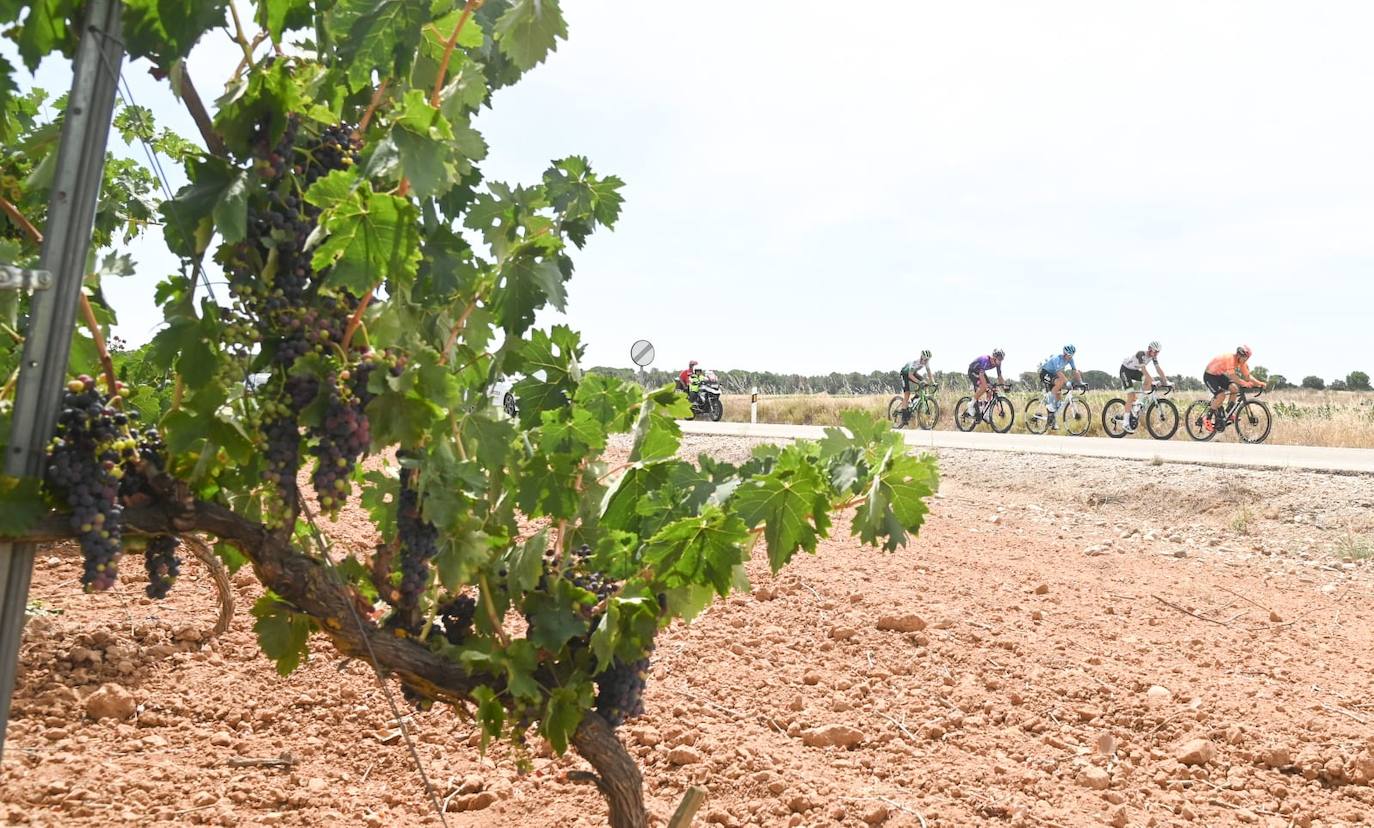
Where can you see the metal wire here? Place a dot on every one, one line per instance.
(321, 541)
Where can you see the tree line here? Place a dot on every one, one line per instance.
(739, 381)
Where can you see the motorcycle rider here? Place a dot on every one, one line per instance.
(690, 381)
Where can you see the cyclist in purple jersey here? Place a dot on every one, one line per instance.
(978, 376)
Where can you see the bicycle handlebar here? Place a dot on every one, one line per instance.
(1254, 390)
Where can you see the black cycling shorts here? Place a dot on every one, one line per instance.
(975, 370)
(1130, 376)
(905, 380)
(1216, 383)
(1046, 380)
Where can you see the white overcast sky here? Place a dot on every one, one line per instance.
(813, 187)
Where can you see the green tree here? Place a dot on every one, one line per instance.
(1099, 380)
(1357, 381)
(1339, 385)
(1313, 382)
(383, 285)
(1279, 382)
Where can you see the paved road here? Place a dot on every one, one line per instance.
(1310, 458)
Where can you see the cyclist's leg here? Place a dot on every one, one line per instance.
(906, 390)
(1217, 384)
(1059, 380)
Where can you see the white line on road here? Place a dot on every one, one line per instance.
(1309, 458)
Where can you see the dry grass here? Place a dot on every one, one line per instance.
(1310, 418)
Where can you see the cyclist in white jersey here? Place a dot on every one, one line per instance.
(1135, 370)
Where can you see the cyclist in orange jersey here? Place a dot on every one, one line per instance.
(1223, 377)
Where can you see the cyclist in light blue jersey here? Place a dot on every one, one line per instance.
(1052, 379)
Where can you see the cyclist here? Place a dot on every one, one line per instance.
(910, 375)
(1135, 369)
(1052, 379)
(1223, 377)
(978, 377)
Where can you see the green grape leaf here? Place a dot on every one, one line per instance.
(218, 193)
(564, 713)
(584, 199)
(461, 556)
(656, 434)
(490, 713)
(283, 634)
(183, 344)
(579, 434)
(525, 285)
(895, 501)
(368, 236)
(231, 209)
(375, 35)
(24, 505)
(549, 361)
(230, 556)
(608, 400)
(621, 508)
(45, 30)
(379, 499)
(553, 619)
(791, 503)
(277, 16)
(260, 103)
(529, 31)
(166, 30)
(525, 562)
(702, 549)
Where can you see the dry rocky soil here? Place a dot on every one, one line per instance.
(1069, 642)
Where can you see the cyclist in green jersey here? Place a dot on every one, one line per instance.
(910, 375)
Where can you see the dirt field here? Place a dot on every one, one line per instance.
(1090, 643)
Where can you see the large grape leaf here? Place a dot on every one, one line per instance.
(46, 30)
(368, 236)
(529, 30)
(549, 362)
(166, 30)
(702, 549)
(792, 504)
(277, 16)
(375, 35)
(564, 713)
(584, 199)
(23, 501)
(527, 283)
(895, 501)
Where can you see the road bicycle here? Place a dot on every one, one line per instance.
(1159, 414)
(1252, 417)
(923, 408)
(998, 412)
(1074, 415)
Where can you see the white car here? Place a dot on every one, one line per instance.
(502, 394)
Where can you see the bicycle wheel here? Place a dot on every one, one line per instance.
(1193, 421)
(928, 413)
(895, 413)
(1114, 418)
(963, 414)
(1037, 416)
(1003, 415)
(1076, 418)
(1162, 419)
(1253, 421)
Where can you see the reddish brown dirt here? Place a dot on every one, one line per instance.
(1026, 698)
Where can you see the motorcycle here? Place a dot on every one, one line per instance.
(706, 404)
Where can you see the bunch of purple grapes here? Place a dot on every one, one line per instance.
(419, 542)
(162, 563)
(620, 690)
(86, 461)
(456, 617)
(340, 440)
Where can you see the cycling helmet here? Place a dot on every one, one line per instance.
(925, 355)
(1070, 350)
(998, 353)
(1244, 351)
(1154, 345)
(692, 364)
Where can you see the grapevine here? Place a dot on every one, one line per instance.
(379, 287)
